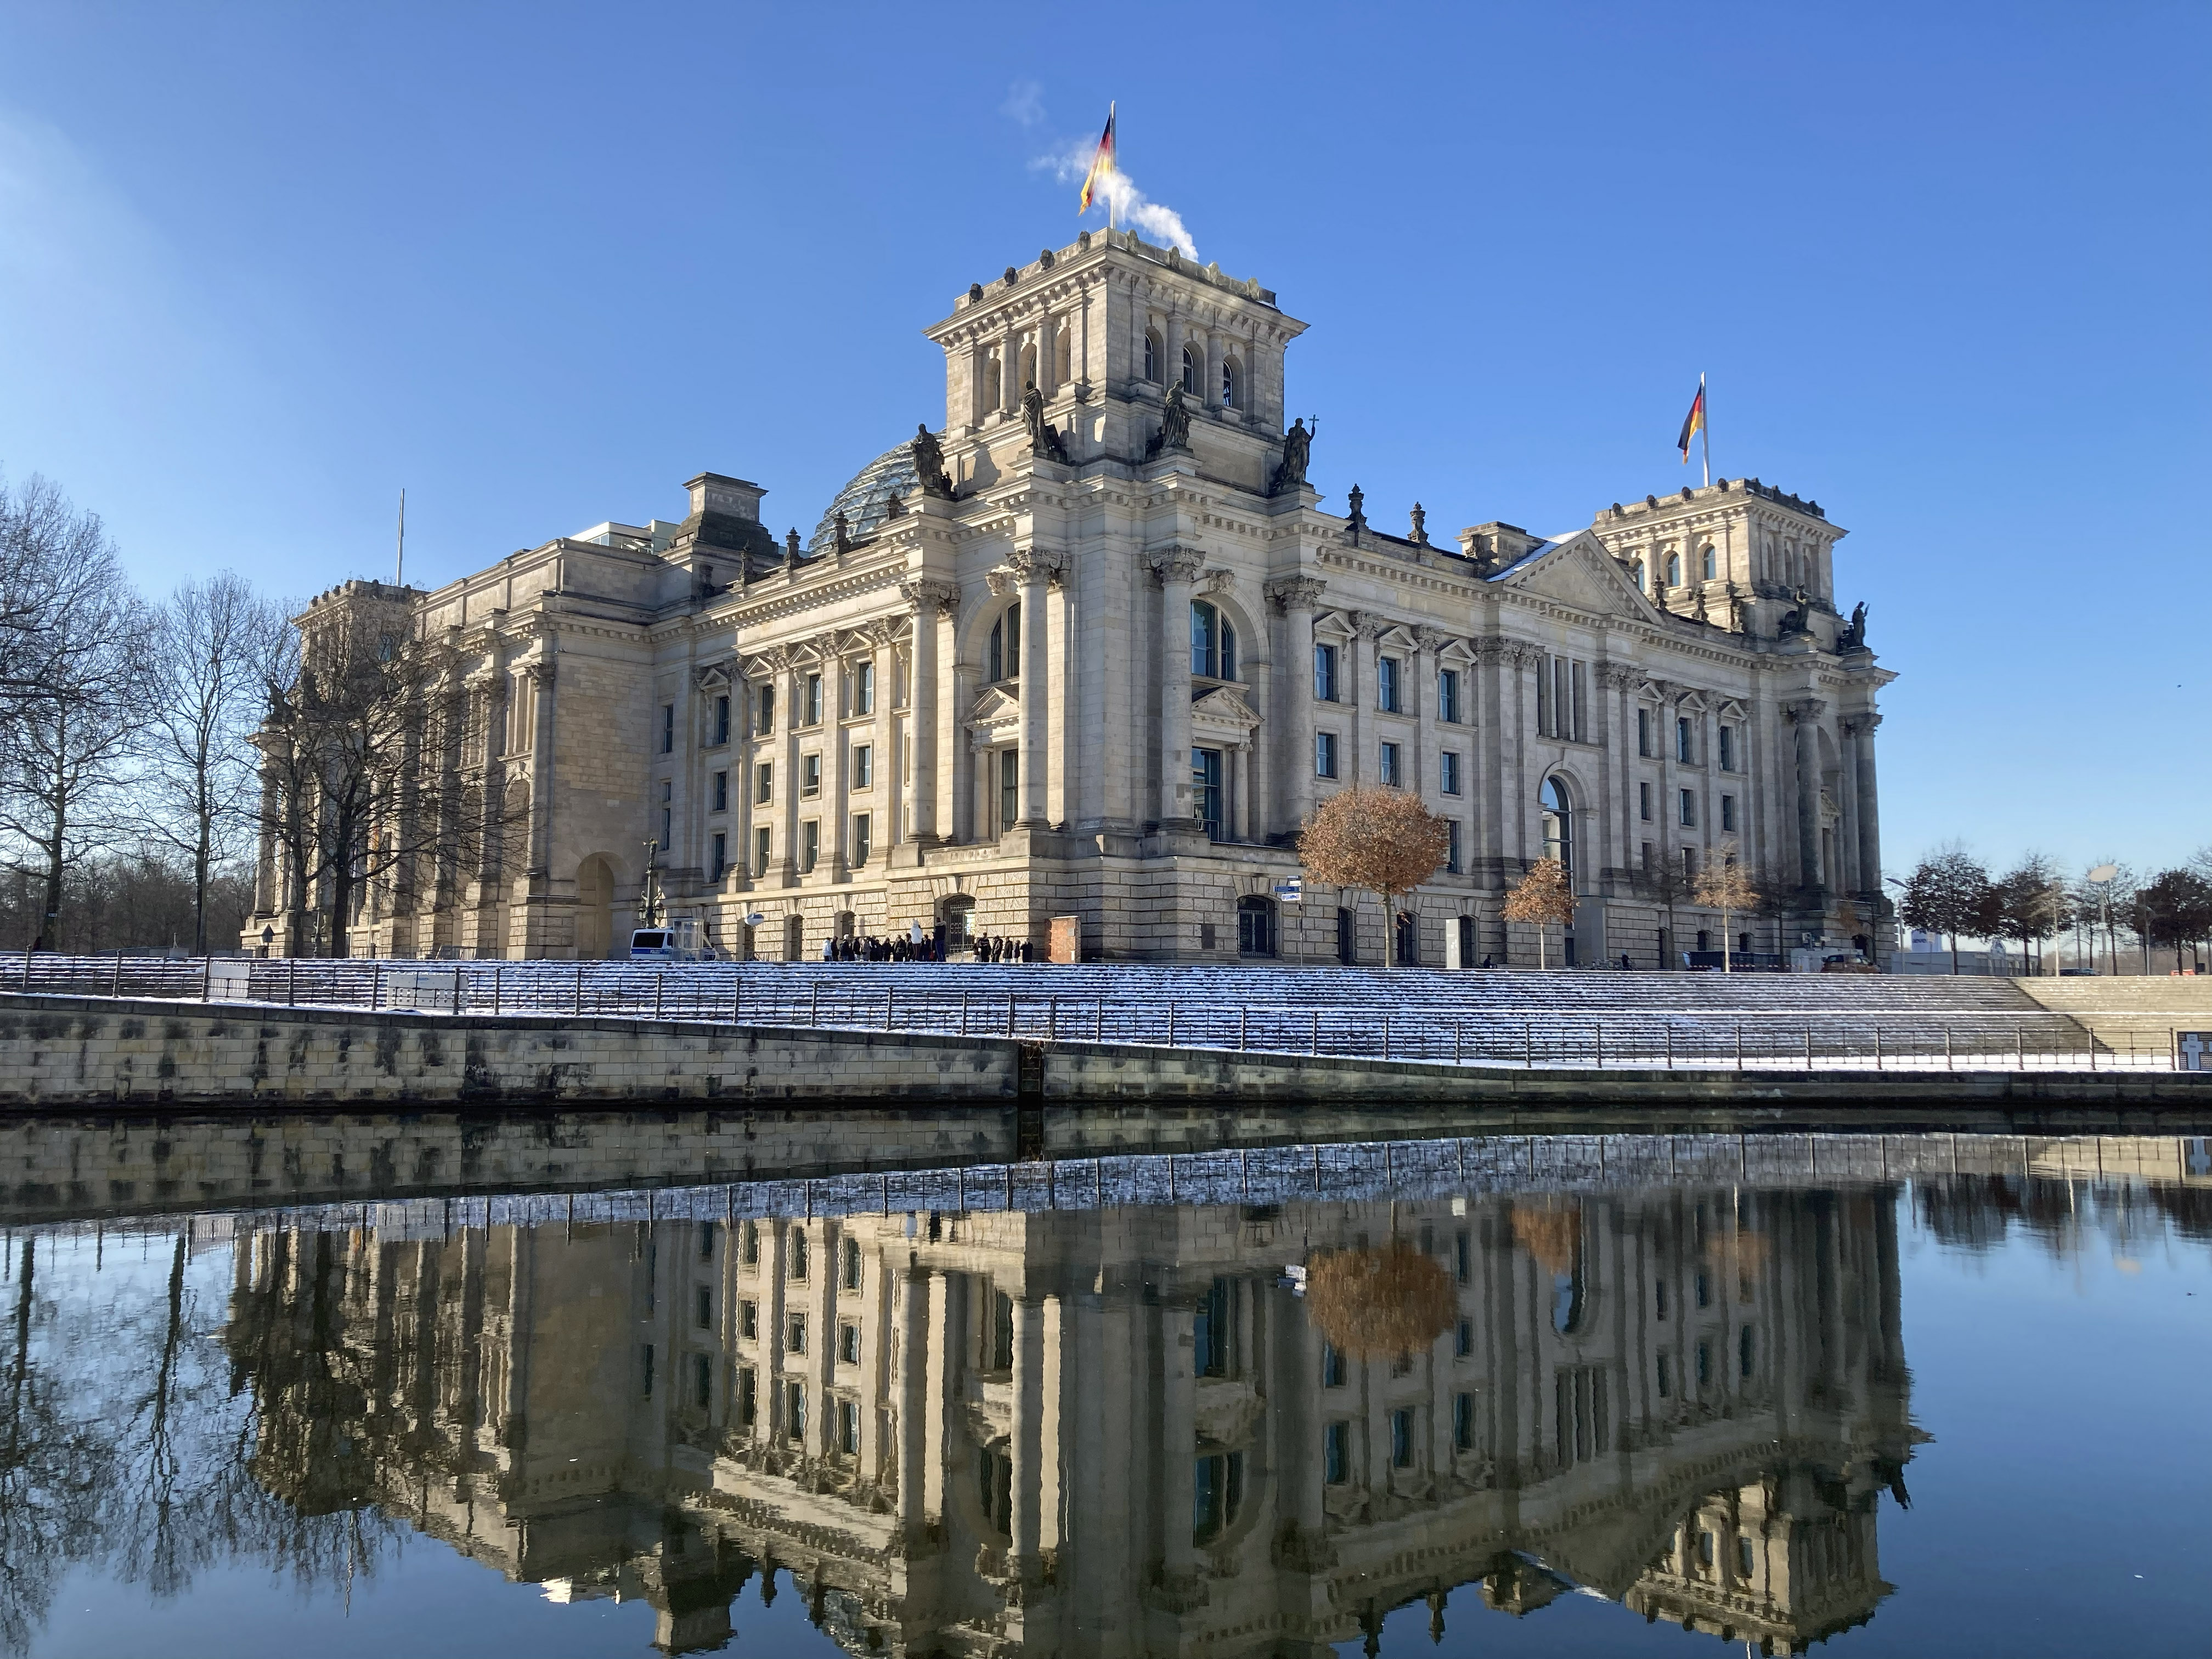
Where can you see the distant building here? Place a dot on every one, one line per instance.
(1096, 652)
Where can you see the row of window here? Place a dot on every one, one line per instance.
(1192, 372)
(1685, 808)
(1389, 680)
(858, 699)
(1404, 1428)
(1686, 740)
(1707, 570)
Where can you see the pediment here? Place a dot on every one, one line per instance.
(993, 704)
(1580, 572)
(1224, 706)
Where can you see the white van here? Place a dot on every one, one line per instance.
(677, 942)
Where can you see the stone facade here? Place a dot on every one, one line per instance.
(1098, 653)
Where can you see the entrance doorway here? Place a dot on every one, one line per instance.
(595, 909)
(1347, 937)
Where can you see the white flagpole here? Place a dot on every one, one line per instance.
(1113, 162)
(1705, 427)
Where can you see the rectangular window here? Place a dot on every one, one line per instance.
(748, 1397)
(1324, 754)
(863, 842)
(1463, 1340)
(764, 710)
(1206, 790)
(706, 1241)
(1647, 855)
(1451, 849)
(1689, 864)
(1386, 683)
(1689, 808)
(721, 791)
(748, 1245)
(1582, 703)
(849, 1271)
(864, 766)
(702, 1381)
(667, 812)
(1728, 812)
(810, 774)
(1010, 788)
(1644, 802)
(764, 783)
(1643, 732)
(810, 844)
(1401, 1439)
(848, 1344)
(1336, 1453)
(848, 1428)
(1447, 773)
(667, 728)
(647, 1379)
(703, 1307)
(813, 715)
(1448, 695)
(794, 1411)
(1389, 764)
(1325, 674)
(1462, 1257)
(749, 1320)
(864, 688)
(1463, 1422)
(1332, 1366)
(794, 1334)
(1666, 1377)
(721, 719)
(721, 858)
(801, 1263)
(760, 853)
(1682, 745)
(1728, 749)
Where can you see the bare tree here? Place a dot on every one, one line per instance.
(70, 698)
(1544, 899)
(1382, 839)
(217, 646)
(1724, 886)
(2031, 902)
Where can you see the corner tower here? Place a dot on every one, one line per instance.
(1105, 328)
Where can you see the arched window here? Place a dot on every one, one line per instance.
(1674, 570)
(992, 396)
(1029, 362)
(1559, 825)
(1256, 927)
(1636, 570)
(1063, 358)
(1002, 656)
(1212, 643)
(1230, 399)
(1708, 565)
(1152, 356)
(959, 921)
(1190, 385)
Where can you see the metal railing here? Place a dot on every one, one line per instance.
(1420, 1024)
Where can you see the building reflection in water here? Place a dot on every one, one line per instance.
(1156, 1430)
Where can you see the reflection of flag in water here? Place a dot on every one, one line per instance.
(1694, 422)
(1102, 164)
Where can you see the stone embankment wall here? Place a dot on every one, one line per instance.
(2113, 1010)
(65, 1051)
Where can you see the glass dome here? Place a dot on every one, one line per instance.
(865, 501)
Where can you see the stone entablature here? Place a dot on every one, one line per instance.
(862, 736)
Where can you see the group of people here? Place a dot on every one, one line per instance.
(927, 948)
(992, 948)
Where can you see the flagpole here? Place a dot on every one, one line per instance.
(1705, 428)
(399, 562)
(1114, 162)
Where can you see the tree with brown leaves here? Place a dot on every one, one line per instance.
(1382, 840)
(1543, 898)
(1724, 886)
(1375, 1304)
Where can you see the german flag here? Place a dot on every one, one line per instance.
(1101, 165)
(1694, 422)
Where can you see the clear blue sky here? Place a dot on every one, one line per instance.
(261, 266)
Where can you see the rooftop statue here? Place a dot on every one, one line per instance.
(929, 463)
(1044, 438)
(1175, 424)
(1853, 638)
(1297, 447)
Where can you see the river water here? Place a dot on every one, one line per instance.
(1500, 1395)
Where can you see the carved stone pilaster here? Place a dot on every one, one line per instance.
(924, 591)
(1175, 563)
(1804, 709)
(1294, 593)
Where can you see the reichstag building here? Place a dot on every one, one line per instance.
(1093, 650)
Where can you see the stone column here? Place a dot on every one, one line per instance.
(1176, 568)
(788, 679)
(1178, 1447)
(1805, 714)
(264, 858)
(913, 1313)
(1240, 792)
(884, 793)
(1870, 810)
(1034, 569)
(1420, 701)
(1294, 596)
(929, 598)
(928, 1447)
(541, 767)
(957, 753)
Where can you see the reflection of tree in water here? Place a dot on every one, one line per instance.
(1979, 1212)
(126, 1445)
(1379, 1304)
